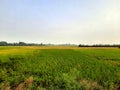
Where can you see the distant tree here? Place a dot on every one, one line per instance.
(3, 43)
(21, 43)
(41, 44)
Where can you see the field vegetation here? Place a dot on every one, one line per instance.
(59, 68)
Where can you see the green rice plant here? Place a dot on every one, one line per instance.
(52, 69)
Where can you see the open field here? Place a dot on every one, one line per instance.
(59, 67)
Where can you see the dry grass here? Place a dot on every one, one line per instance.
(90, 85)
(27, 85)
(111, 62)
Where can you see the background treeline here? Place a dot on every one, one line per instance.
(100, 45)
(4, 43)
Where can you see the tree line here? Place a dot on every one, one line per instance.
(100, 45)
(4, 43)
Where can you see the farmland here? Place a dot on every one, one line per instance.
(59, 67)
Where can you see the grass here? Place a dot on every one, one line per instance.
(60, 67)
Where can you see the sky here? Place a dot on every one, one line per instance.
(60, 21)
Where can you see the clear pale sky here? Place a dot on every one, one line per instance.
(60, 21)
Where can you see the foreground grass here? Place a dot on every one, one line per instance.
(60, 68)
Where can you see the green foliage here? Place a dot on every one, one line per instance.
(83, 69)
